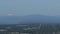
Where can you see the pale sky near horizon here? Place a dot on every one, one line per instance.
(30, 7)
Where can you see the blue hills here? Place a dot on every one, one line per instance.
(29, 19)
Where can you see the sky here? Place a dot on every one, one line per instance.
(29, 7)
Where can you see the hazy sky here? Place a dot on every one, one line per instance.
(29, 7)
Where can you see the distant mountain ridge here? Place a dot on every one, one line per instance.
(28, 19)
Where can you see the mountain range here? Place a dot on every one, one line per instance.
(29, 19)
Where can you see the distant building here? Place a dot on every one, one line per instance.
(54, 33)
(8, 27)
(58, 33)
(17, 33)
(12, 33)
(24, 33)
(21, 25)
(3, 30)
(30, 28)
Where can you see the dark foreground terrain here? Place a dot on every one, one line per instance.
(50, 28)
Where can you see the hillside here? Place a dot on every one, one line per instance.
(27, 19)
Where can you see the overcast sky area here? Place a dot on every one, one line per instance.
(30, 7)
